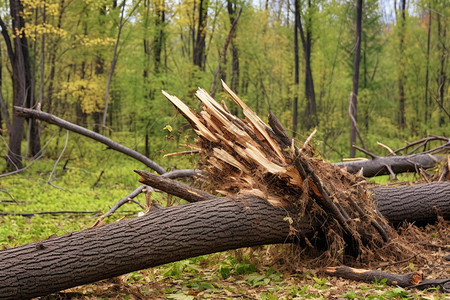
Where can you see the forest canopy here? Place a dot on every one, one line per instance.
(102, 64)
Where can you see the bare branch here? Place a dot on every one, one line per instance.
(31, 113)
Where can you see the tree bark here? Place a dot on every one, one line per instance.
(390, 164)
(310, 114)
(401, 76)
(417, 203)
(296, 70)
(200, 40)
(354, 94)
(159, 237)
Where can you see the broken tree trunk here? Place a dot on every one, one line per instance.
(161, 236)
(276, 192)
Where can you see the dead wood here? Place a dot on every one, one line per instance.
(402, 280)
(49, 118)
(391, 165)
(421, 203)
(160, 236)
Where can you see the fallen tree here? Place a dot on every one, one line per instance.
(391, 165)
(273, 191)
(160, 236)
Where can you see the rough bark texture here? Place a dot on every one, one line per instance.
(398, 164)
(416, 203)
(161, 236)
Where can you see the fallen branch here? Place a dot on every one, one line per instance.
(146, 189)
(404, 280)
(73, 212)
(49, 118)
(390, 164)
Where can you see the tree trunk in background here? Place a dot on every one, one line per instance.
(296, 70)
(354, 95)
(401, 66)
(200, 39)
(442, 35)
(113, 67)
(234, 84)
(159, 40)
(426, 100)
(53, 61)
(4, 113)
(310, 114)
(21, 78)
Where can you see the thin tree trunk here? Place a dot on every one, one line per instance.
(113, 66)
(354, 95)
(310, 113)
(296, 70)
(401, 76)
(223, 54)
(442, 35)
(232, 13)
(200, 40)
(427, 102)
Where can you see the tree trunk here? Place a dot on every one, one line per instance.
(442, 35)
(159, 237)
(296, 70)
(417, 203)
(401, 76)
(167, 235)
(200, 40)
(354, 96)
(112, 68)
(310, 114)
(232, 13)
(427, 70)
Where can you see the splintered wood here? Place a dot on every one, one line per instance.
(247, 157)
(244, 150)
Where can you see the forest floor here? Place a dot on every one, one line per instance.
(89, 179)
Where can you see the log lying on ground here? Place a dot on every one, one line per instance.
(159, 237)
(390, 165)
(408, 280)
(402, 280)
(415, 203)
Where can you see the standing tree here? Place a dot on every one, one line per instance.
(200, 39)
(401, 74)
(306, 35)
(21, 78)
(354, 94)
